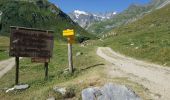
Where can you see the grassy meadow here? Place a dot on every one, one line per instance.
(146, 39)
(33, 73)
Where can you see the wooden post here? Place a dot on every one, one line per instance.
(46, 70)
(70, 59)
(17, 70)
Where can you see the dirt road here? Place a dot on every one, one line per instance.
(154, 77)
(6, 65)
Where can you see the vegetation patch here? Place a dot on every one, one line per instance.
(33, 73)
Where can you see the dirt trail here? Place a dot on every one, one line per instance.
(6, 65)
(154, 77)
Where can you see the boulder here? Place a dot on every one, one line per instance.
(21, 87)
(109, 92)
(18, 87)
(91, 93)
(68, 92)
(61, 90)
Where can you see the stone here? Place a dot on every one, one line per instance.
(132, 44)
(109, 92)
(21, 87)
(136, 47)
(90, 93)
(79, 53)
(117, 92)
(51, 98)
(66, 71)
(9, 90)
(61, 90)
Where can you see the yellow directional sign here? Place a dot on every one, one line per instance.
(68, 32)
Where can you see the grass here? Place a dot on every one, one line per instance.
(33, 73)
(89, 71)
(147, 39)
(4, 45)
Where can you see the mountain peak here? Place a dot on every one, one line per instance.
(114, 13)
(77, 13)
(84, 19)
(80, 12)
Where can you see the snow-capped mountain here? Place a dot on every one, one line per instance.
(84, 19)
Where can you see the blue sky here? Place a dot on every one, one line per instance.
(96, 5)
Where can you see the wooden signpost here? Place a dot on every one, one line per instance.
(34, 43)
(70, 37)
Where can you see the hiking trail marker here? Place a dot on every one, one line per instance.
(34, 43)
(69, 33)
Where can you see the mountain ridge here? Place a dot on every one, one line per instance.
(85, 19)
(131, 14)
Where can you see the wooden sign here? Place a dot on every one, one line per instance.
(40, 60)
(68, 32)
(28, 42)
(70, 37)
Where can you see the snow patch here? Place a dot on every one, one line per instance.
(114, 13)
(80, 12)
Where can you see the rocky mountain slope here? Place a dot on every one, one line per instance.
(37, 14)
(85, 19)
(131, 14)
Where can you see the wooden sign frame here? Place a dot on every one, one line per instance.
(40, 60)
(30, 42)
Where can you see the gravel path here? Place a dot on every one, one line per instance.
(154, 77)
(6, 65)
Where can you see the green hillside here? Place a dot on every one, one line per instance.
(147, 38)
(37, 14)
(118, 20)
(131, 14)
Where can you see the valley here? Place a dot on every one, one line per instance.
(130, 48)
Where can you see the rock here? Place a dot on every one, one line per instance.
(109, 92)
(90, 93)
(132, 44)
(82, 45)
(136, 47)
(79, 53)
(60, 90)
(51, 98)
(68, 92)
(9, 90)
(66, 71)
(21, 87)
(117, 92)
(17, 87)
